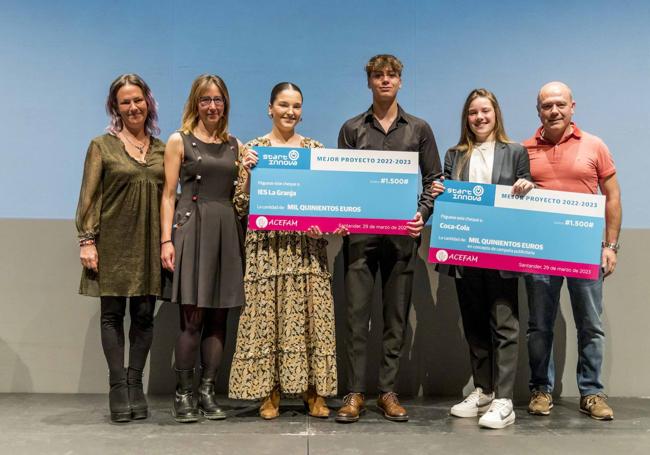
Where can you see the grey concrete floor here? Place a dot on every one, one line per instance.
(79, 424)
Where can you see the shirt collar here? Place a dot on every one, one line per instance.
(401, 117)
(575, 132)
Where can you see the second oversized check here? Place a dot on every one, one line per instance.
(547, 232)
(371, 192)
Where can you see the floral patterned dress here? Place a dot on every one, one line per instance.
(286, 328)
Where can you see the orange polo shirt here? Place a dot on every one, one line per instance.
(577, 163)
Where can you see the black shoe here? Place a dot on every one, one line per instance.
(184, 410)
(139, 407)
(118, 398)
(207, 403)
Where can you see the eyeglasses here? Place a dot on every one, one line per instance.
(205, 101)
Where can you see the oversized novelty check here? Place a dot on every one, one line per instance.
(372, 192)
(548, 232)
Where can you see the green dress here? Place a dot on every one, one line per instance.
(119, 207)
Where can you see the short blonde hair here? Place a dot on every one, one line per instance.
(191, 110)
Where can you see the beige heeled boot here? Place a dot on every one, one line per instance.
(315, 404)
(270, 408)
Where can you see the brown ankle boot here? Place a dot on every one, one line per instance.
(315, 404)
(270, 408)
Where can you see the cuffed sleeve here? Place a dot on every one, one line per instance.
(90, 196)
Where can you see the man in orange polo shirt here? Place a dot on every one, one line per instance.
(565, 158)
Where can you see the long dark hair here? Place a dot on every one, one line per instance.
(283, 86)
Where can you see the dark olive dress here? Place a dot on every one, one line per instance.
(119, 207)
(207, 234)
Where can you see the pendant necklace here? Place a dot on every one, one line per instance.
(140, 148)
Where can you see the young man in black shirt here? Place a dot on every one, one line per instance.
(384, 126)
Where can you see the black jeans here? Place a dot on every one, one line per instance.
(364, 255)
(490, 313)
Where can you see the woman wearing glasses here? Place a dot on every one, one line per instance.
(117, 220)
(201, 241)
(285, 341)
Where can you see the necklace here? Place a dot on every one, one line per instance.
(139, 147)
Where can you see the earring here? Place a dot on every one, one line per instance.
(300, 119)
(270, 115)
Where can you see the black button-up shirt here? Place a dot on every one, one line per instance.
(407, 133)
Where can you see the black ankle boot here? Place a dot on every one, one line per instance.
(207, 403)
(139, 407)
(184, 410)
(118, 397)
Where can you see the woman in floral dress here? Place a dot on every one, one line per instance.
(285, 341)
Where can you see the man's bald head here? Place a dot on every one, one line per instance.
(554, 87)
(555, 107)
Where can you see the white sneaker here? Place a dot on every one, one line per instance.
(475, 404)
(500, 414)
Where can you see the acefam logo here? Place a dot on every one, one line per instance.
(294, 154)
(478, 190)
(261, 222)
(442, 255)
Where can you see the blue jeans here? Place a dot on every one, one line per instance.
(587, 305)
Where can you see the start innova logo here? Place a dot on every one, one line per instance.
(261, 222)
(442, 255)
(473, 194)
(281, 157)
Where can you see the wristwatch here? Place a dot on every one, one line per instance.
(612, 246)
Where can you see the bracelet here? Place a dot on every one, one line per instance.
(166, 241)
(85, 242)
(612, 246)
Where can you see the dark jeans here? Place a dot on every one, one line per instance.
(364, 255)
(490, 313)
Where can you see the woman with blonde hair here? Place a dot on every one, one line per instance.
(487, 298)
(201, 241)
(117, 221)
